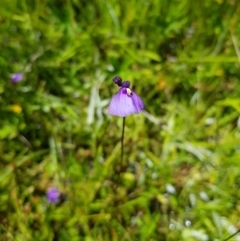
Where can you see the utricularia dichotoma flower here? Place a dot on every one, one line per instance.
(53, 195)
(126, 101)
(16, 77)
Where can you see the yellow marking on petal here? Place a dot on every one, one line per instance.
(16, 108)
(129, 92)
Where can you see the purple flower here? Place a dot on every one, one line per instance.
(16, 77)
(126, 101)
(53, 195)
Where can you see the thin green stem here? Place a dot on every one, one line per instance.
(121, 161)
(232, 235)
(122, 139)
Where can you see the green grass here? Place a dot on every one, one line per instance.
(181, 180)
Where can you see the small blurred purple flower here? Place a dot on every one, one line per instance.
(126, 101)
(16, 77)
(53, 195)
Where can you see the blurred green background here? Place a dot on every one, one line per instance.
(182, 154)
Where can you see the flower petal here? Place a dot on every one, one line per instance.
(16, 77)
(53, 195)
(123, 104)
(139, 105)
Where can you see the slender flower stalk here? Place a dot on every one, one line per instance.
(122, 139)
(232, 235)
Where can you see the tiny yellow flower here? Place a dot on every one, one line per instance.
(16, 108)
